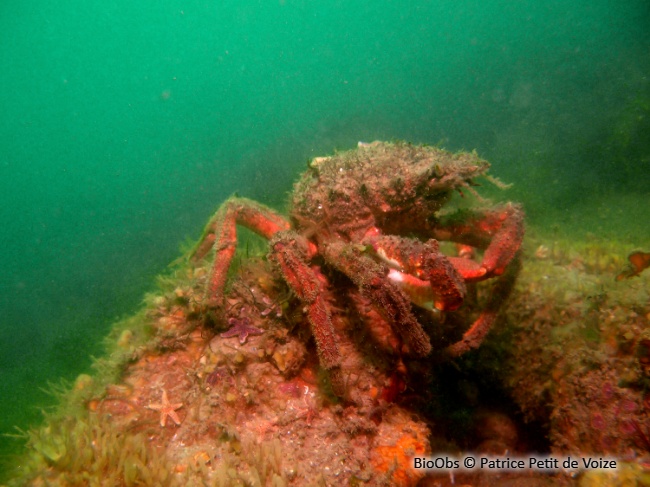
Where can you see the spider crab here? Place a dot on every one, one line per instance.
(371, 214)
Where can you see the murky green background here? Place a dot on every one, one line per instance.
(124, 124)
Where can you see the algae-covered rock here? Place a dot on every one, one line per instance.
(570, 352)
(575, 339)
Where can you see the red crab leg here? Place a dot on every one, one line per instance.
(373, 284)
(222, 230)
(415, 263)
(506, 241)
(474, 336)
(291, 252)
(500, 231)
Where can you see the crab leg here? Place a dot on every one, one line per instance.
(370, 277)
(499, 231)
(424, 273)
(474, 336)
(291, 252)
(419, 267)
(221, 233)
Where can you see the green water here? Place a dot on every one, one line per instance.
(124, 125)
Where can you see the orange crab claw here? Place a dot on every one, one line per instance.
(420, 292)
(421, 271)
(470, 269)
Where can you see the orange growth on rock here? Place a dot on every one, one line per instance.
(397, 460)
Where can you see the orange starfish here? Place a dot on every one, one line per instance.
(167, 409)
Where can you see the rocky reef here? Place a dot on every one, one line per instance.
(574, 349)
(183, 397)
(182, 400)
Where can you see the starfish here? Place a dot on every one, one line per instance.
(167, 409)
(241, 327)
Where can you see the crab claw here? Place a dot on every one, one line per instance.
(469, 269)
(506, 241)
(421, 271)
(418, 291)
